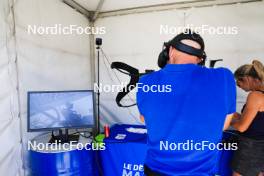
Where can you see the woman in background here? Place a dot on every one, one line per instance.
(248, 160)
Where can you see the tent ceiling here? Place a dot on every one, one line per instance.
(110, 5)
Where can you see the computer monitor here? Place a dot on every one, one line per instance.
(54, 110)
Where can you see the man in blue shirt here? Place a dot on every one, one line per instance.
(185, 120)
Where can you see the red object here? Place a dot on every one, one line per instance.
(106, 131)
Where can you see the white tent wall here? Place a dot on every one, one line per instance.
(44, 62)
(136, 40)
(10, 150)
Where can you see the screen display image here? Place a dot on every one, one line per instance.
(54, 110)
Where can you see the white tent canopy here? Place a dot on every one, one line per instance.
(133, 35)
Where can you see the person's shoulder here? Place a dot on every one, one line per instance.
(256, 97)
(221, 71)
(149, 77)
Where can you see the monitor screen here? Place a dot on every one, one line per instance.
(60, 109)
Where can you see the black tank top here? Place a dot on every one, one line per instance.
(256, 128)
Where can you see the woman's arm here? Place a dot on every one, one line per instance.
(237, 115)
(228, 120)
(249, 113)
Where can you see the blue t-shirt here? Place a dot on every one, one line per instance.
(185, 103)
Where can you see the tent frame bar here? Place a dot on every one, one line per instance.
(97, 11)
(79, 8)
(172, 6)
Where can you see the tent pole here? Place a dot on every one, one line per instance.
(92, 57)
(92, 52)
(92, 68)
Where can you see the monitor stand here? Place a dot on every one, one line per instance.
(64, 138)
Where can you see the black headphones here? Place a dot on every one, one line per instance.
(177, 44)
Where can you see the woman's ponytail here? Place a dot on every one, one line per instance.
(259, 69)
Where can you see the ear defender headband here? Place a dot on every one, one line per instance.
(177, 44)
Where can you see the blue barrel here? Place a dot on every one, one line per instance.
(63, 163)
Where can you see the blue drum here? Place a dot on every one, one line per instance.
(61, 163)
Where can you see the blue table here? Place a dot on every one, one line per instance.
(125, 153)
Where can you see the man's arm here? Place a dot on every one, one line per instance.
(230, 97)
